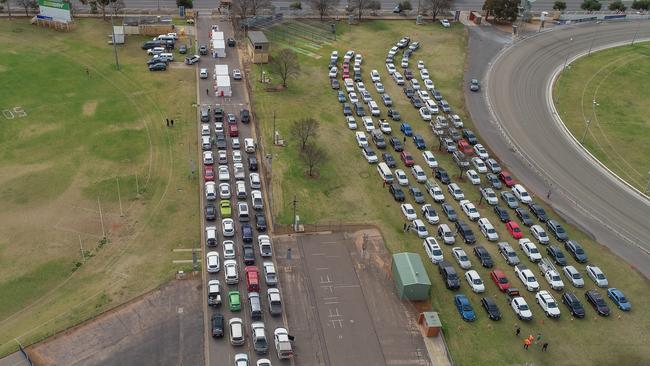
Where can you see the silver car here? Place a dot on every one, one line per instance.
(461, 257)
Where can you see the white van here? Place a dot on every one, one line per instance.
(211, 236)
(399, 79)
(210, 191)
(155, 50)
(385, 173)
(374, 108)
(242, 209)
(249, 145)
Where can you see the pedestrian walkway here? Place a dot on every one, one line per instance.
(14, 359)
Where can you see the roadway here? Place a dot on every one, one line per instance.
(513, 114)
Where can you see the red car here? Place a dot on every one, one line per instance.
(513, 229)
(208, 173)
(500, 280)
(465, 147)
(407, 158)
(233, 131)
(346, 74)
(506, 179)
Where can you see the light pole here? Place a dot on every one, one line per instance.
(593, 38)
(636, 32)
(594, 104)
(566, 59)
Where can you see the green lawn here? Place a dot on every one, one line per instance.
(68, 139)
(349, 190)
(617, 79)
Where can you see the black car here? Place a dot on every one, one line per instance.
(252, 163)
(231, 42)
(465, 232)
(220, 141)
(347, 110)
(249, 254)
(247, 232)
(556, 254)
(378, 139)
(491, 308)
(436, 95)
(159, 66)
(357, 76)
(396, 143)
(483, 256)
(417, 102)
(151, 44)
(358, 109)
(442, 176)
(210, 212)
(218, 114)
(260, 221)
(597, 301)
(397, 192)
(156, 60)
(449, 212)
(217, 325)
(539, 212)
(203, 50)
(335, 84)
(470, 136)
(502, 213)
(523, 216)
(409, 92)
(389, 160)
(245, 115)
(449, 275)
(557, 230)
(494, 180)
(408, 74)
(417, 195)
(576, 251)
(394, 114)
(454, 134)
(182, 49)
(574, 305)
(385, 98)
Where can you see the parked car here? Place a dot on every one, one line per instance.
(461, 257)
(483, 256)
(506, 178)
(500, 279)
(449, 275)
(470, 210)
(446, 235)
(509, 199)
(442, 176)
(502, 213)
(619, 299)
(573, 303)
(548, 304)
(597, 276)
(474, 281)
(597, 301)
(464, 308)
(521, 308)
(574, 276)
(396, 192)
(465, 232)
(433, 250)
(576, 251)
(508, 253)
(527, 277)
(513, 229)
(539, 212)
(419, 228)
(556, 255)
(494, 181)
(487, 229)
(557, 230)
(530, 250)
(491, 308)
(523, 216)
(449, 212)
(489, 196)
(539, 234)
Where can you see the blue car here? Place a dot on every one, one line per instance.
(619, 299)
(464, 308)
(341, 97)
(406, 129)
(419, 142)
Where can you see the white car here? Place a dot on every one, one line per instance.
(379, 87)
(487, 229)
(353, 97)
(369, 155)
(432, 248)
(408, 211)
(597, 276)
(480, 151)
(445, 233)
(218, 127)
(351, 122)
(489, 196)
(415, 84)
(456, 121)
(241, 359)
(361, 87)
(455, 191)
(367, 123)
(228, 249)
(425, 114)
(236, 74)
(420, 64)
(401, 177)
(470, 210)
(222, 157)
(527, 277)
(362, 139)
(548, 304)
(445, 23)
(205, 129)
(358, 59)
(228, 227)
(236, 156)
(419, 228)
(208, 158)
(530, 250)
(334, 56)
(522, 195)
(493, 165)
(203, 73)
(255, 181)
(430, 159)
(461, 257)
(405, 62)
(473, 177)
(224, 191)
(231, 272)
(423, 94)
(224, 174)
(479, 165)
(240, 173)
(521, 308)
(424, 73)
(474, 281)
(428, 84)
(235, 143)
(333, 72)
(384, 126)
(435, 191)
(540, 234)
(390, 68)
(212, 262)
(554, 280)
(430, 214)
(574, 276)
(374, 76)
(418, 173)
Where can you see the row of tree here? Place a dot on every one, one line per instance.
(305, 131)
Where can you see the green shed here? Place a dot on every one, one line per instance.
(410, 277)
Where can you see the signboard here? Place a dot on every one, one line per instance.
(57, 10)
(181, 11)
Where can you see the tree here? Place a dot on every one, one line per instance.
(303, 130)
(8, 2)
(641, 4)
(405, 6)
(285, 63)
(188, 4)
(559, 5)
(437, 7)
(324, 7)
(28, 4)
(312, 156)
(117, 5)
(502, 10)
(591, 5)
(360, 6)
(617, 6)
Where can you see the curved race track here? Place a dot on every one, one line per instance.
(517, 93)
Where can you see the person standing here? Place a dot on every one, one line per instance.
(167, 120)
(172, 122)
(544, 346)
(539, 338)
(207, 92)
(517, 331)
(526, 343)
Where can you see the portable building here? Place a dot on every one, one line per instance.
(221, 70)
(222, 86)
(411, 279)
(218, 48)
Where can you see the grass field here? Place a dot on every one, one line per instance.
(617, 79)
(350, 191)
(70, 143)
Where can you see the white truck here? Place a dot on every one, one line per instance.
(527, 277)
(551, 274)
(214, 293)
(283, 345)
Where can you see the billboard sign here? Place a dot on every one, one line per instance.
(58, 10)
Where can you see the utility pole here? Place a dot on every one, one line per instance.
(273, 133)
(119, 196)
(117, 61)
(566, 59)
(594, 104)
(593, 38)
(81, 248)
(101, 218)
(295, 203)
(636, 32)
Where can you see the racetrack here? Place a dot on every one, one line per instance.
(585, 193)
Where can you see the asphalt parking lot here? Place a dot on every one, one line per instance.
(334, 291)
